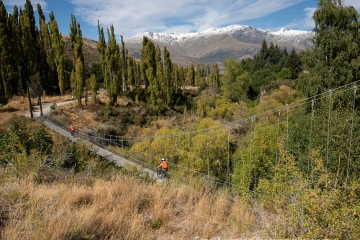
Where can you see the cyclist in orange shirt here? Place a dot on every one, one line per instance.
(164, 164)
(72, 130)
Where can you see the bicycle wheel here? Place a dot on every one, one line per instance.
(160, 173)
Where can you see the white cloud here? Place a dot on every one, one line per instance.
(131, 17)
(354, 3)
(308, 21)
(21, 3)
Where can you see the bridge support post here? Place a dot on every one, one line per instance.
(30, 105)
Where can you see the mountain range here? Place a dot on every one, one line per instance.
(217, 44)
(210, 46)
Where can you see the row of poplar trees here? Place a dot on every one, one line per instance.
(34, 54)
(164, 80)
(155, 80)
(29, 53)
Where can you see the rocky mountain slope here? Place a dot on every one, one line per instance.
(217, 44)
(210, 46)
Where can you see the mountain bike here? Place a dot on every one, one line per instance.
(73, 134)
(161, 173)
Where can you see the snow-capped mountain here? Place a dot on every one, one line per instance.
(217, 44)
(288, 32)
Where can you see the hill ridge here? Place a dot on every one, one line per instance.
(212, 46)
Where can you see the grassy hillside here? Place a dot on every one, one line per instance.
(121, 208)
(71, 193)
(91, 54)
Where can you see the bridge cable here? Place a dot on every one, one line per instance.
(207, 151)
(287, 127)
(228, 155)
(351, 136)
(328, 132)
(277, 138)
(250, 152)
(310, 137)
(254, 156)
(85, 135)
(189, 157)
(298, 103)
(294, 104)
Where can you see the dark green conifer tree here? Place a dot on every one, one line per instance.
(168, 74)
(294, 64)
(148, 62)
(207, 73)
(30, 45)
(176, 78)
(216, 75)
(190, 77)
(199, 79)
(131, 72)
(78, 79)
(5, 84)
(156, 88)
(112, 74)
(123, 64)
(58, 52)
(46, 63)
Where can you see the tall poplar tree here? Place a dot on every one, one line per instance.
(199, 79)
(4, 55)
(29, 44)
(58, 48)
(101, 46)
(216, 75)
(131, 72)
(46, 58)
(93, 87)
(78, 79)
(156, 89)
(169, 82)
(176, 78)
(14, 48)
(207, 73)
(190, 78)
(124, 64)
(148, 62)
(10, 77)
(112, 74)
(182, 78)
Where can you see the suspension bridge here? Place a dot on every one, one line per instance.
(258, 140)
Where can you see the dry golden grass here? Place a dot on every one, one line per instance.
(19, 106)
(124, 208)
(21, 103)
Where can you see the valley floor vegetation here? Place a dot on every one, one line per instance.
(278, 133)
(52, 188)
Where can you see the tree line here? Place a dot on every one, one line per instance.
(29, 53)
(34, 53)
(155, 79)
(324, 129)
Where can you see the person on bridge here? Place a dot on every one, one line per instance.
(72, 130)
(164, 164)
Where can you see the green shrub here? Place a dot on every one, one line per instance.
(156, 224)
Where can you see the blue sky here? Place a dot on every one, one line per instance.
(131, 17)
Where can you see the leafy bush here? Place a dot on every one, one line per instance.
(42, 141)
